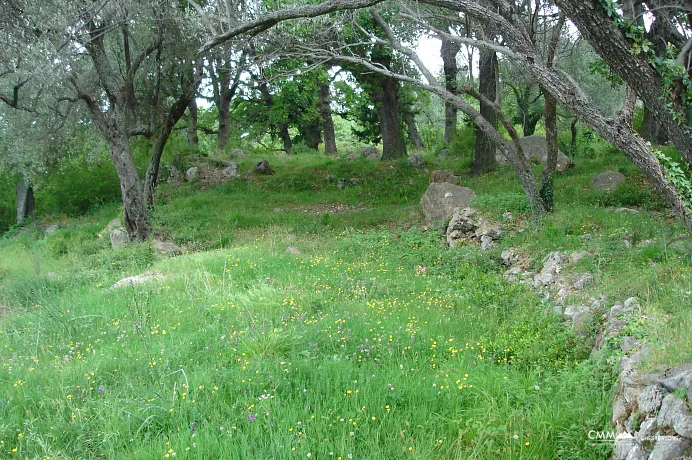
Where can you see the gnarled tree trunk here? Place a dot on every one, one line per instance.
(484, 152)
(324, 99)
(25, 201)
(448, 52)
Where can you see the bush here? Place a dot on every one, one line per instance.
(78, 185)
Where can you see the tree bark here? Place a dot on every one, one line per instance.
(324, 99)
(448, 52)
(485, 149)
(192, 136)
(26, 205)
(412, 130)
(312, 133)
(386, 98)
(285, 138)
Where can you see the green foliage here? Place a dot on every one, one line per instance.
(505, 201)
(680, 175)
(78, 185)
(8, 202)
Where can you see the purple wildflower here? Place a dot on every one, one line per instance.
(193, 425)
(100, 390)
(251, 417)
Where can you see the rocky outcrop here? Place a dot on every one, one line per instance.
(145, 277)
(607, 181)
(440, 200)
(371, 153)
(652, 419)
(465, 224)
(416, 160)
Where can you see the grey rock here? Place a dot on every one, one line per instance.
(415, 160)
(650, 398)
(112, 225)
(139, 279)
(230, 171)
(675, 414)
(557, 309)
(619, 310)
(645, 243)
(463, 224)
(624, 443)
(352, 157)
(627, 244)
(670, 447)
(679, 380)
(619, 410)
(631, 303)
(192, 174)
(262, 167)
(371, 153)
(169, 173)
(536, 148)
(443, 175)
(629, 343)
(607, 181)
(51, 229)
(292, 250)
(507, 216)
(577, 256)
(508, 256)
(580, 280)
(165, 248)
(637, 453)
(646, 429)
(439, 201)
(119, 238)
(552, 266)
(625, 210)
(486, 242)
(587, 237)
(237, 153)
(490, 229)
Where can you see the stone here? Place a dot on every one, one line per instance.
(439, 201)
(552, 265)
(230, 171)
(625, 211)
(577, 256)
(119, 238)
(675, 414)
(112, 225)
(486, 242)
(650, 398)
(508, 256)
(507, 216)
(557, 309)
(629, 343)
(352, 157)
(463, 224)
(416, 160)
(51, 229)
(169, 173)
(536, 148)
(579, 315)
(371, 153)
(489, 229)
(607, 181)
(619, 410)
(165, 248)
(580, 280)
(679, 378)
(292, 250)
(139, 279)
(262, 167)
(631, 303)
(443, 175)
(624, 443)
(192, 174)
(637, 453)
(669, 447)
(237, 153)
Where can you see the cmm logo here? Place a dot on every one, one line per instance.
(607, 436)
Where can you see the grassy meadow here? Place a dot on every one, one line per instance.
(375, 342)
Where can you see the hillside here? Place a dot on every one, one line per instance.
(368, 338)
